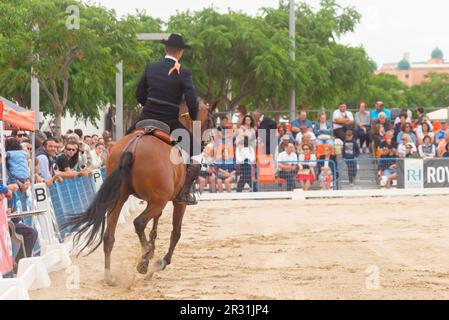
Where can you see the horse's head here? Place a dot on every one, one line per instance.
(204, 116)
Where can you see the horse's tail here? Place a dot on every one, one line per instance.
(92, 222)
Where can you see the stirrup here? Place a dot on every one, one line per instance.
(188, 199)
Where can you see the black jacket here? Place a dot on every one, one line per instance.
(267, 125)
(155, 83)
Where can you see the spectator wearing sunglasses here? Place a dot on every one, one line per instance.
(68, 162)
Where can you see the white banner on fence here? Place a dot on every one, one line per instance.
(98, 179)
(413, 173)
(46, 224)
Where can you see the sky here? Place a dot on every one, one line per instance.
(388, 29)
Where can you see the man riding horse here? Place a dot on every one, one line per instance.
(161, 89)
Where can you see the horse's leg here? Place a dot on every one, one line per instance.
(153, 211)
(152, 238)
(178, 214)
(109, 239)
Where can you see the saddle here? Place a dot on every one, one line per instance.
(154, 128)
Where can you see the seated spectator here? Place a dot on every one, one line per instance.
(326, 178)
(284, 144)
(323, 130)
(363, 127)
(302, 124)
(378, 134)
(288, 166)
(399, 125)
(17, 164)
(351, 152)
(402, 147)
(383, 120)
(446, 154)
(427, 150)
(328, 160)
(387, 166)
(389, 139)
(307, 139)
(408, 115)
(97, 158)
(29, 234)
(379, 108)
(407, 129)
(442, 144)
(442, 132)
(307, 162)
(68, 162)
(410, 151)
(225, 172)
(207, 173)
(422, 131)
(343, 121)
(282, 131)
(245, 157)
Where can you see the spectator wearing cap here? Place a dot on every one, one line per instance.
(378, 109)
(302, 124)
(427, 149)
(363, 127)
(405, 139)
(343, 121)
(285, 141)
(441, 149)
(440, 134)
(323, 130)
(288, 166)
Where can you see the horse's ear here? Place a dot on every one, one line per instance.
(214, 106)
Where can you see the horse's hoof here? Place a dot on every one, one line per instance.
(109, 279)
(142, 266)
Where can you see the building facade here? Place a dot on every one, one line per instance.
(415, 73)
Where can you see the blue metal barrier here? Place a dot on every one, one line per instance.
(71, 196)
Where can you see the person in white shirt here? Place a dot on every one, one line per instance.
(342, 120)
(245, 157)
(97, 159)
(402, 148)
(288, 166)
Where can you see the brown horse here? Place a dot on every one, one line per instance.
(149, 173)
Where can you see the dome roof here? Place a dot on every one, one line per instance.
(404, 65)
(437, 54)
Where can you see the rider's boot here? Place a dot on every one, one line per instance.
(187, 195)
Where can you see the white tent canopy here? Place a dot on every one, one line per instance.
(442, 114)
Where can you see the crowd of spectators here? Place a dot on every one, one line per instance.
(69, 156)
(304, 144)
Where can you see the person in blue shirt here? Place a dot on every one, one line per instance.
(302, 124)
(380, 108)
(441, 134)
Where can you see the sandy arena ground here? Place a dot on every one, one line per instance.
(376, 248)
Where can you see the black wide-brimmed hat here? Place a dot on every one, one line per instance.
(176, 40)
